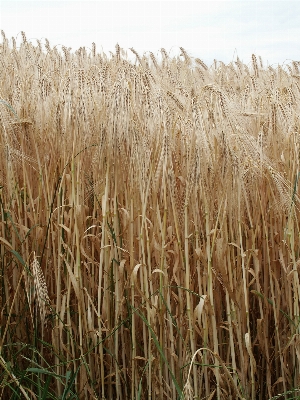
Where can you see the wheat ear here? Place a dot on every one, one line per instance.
(41, 291)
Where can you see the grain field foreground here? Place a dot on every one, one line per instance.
(149, 226)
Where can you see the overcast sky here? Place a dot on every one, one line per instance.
(208, 30)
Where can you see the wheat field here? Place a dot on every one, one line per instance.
(149, 226)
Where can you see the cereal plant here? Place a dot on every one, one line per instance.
(149, 226)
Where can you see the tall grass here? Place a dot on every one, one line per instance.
(149, 232)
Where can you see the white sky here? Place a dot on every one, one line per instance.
(205, 29)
